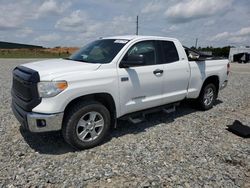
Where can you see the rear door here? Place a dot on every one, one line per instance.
(141, 86)
(176, 73)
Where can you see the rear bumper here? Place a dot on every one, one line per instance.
(36, 122)
(224, 84)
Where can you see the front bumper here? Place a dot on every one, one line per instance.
(36, 122)
(224, 84)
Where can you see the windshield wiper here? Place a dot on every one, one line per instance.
(84, 61)
(67, 58)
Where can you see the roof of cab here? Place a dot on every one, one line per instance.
(132, 37)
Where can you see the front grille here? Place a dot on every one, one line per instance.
(24, 88)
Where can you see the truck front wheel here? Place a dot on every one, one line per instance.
(86, 125)
(207, 97)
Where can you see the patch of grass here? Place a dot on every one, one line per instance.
(31, 53)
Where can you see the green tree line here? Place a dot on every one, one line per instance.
(220, 51)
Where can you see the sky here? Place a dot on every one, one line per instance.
(53, 23)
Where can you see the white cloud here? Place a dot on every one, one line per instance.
(236, 37)
(79, 22)
(24, 32)
(76, 21)
(48, 38)
(52, 7)
(244, 32)
(13, 15)
(195, 9)
(151, 7)
(84, 28)
(173, 28)
(222, 35)
(23, 21)
(170, 29)
(122, 25)
(209, 23)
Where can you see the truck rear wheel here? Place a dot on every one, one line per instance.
(86, 125)
(207, 97)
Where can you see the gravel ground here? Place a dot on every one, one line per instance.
(188, 148)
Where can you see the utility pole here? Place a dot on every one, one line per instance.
(137, 25)
(196, 42)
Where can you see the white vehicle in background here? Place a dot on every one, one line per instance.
(112, 78)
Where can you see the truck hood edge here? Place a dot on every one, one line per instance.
(52, 68)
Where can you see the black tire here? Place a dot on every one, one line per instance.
(204, 104)
(71, 120)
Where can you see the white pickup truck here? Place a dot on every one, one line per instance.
(111, 78)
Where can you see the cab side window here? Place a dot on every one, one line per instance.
(145, 48)
(169, 52)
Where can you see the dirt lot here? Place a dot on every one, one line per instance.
(188, 148)
(57, 52)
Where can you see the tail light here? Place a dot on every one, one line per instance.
(228, 68)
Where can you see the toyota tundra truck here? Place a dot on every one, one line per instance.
(112, 78)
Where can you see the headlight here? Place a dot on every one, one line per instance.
(51, 89)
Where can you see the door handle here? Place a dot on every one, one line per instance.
(158, 72)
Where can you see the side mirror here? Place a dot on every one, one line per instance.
(194, 57)
(132, 61)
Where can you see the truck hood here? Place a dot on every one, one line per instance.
(50, 69)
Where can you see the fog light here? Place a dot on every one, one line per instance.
(41, 123)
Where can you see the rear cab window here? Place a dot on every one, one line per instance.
(169, 52)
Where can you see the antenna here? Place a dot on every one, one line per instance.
(137, 25)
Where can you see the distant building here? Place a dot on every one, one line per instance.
(235, 52)
(208, 53)
(10, 45)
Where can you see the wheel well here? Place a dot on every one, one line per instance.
(214, 80)
(104, 98)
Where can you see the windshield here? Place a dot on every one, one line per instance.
(99, 51)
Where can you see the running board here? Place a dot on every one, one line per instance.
(136, 120)
(169, 110)
(138, 117)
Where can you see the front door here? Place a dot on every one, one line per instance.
(141, 86)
